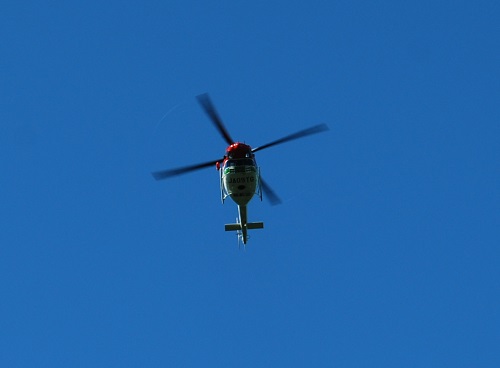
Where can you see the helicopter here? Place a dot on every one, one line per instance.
(239, 175)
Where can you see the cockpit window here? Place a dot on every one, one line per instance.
(240, 162)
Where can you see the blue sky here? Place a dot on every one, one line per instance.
(385, 252)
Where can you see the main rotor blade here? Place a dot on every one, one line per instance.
(270, 194)
(209, 108)
(312, 130)
(165, 174)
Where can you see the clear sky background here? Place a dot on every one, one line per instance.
(385, 251)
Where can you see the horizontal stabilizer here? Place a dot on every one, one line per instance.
(250, 226)
(255, 225)
(232, 227)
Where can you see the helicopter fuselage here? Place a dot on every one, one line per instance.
(239, 180)
(239, 174)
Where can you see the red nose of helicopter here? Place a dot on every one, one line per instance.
(239, 150)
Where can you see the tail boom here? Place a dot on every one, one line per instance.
(242, 226)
